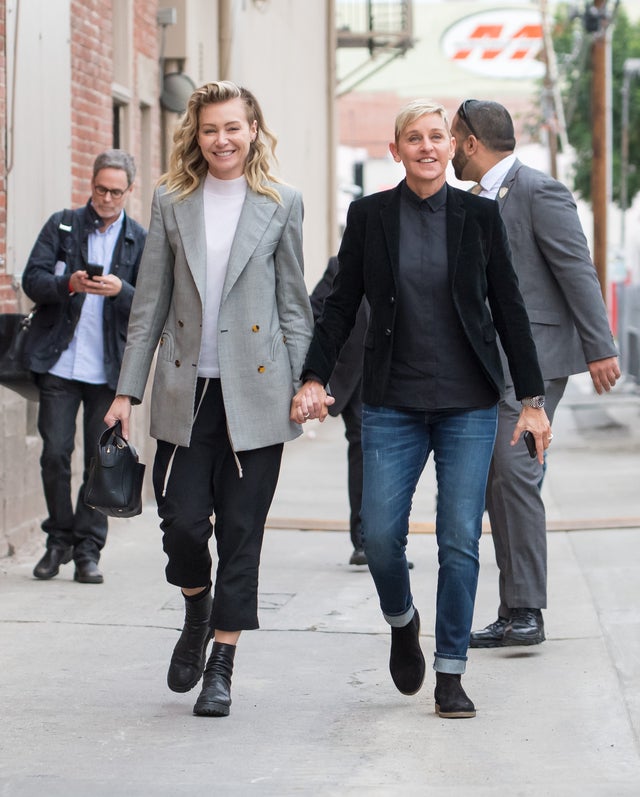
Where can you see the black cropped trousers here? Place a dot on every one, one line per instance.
(192, 484)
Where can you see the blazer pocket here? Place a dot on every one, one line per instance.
(166, 346)
(546, 317)
(278, 345)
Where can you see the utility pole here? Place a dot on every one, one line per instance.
(597, 23)
(553, 108)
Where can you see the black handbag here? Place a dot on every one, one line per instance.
(14, 330)
(114, 486)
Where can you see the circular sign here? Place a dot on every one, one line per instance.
(501, 43)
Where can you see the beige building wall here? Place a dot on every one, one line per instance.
(38, 121)
(283, 51)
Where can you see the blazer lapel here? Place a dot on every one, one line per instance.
(455, 223)
(504, 191)
(390, 219)
(189, 214)
(255, 216)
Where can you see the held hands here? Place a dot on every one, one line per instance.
(120, 410)
(311, 401)
(106, 285)
(537, 423)
(604, 373)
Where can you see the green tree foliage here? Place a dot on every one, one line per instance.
(572, 45)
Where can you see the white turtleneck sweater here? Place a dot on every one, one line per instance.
(223, 200)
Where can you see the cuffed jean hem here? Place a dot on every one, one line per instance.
(450, 666)
(400, 620)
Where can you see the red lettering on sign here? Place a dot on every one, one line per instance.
(529, 32)
(487, 32)
(461, 55)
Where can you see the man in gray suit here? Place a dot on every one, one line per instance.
(570, 327)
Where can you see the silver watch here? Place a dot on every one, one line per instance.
(537, 402)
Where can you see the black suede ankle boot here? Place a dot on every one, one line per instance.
(451, 699)
(406, 662)
(215, 698)
(187, 661)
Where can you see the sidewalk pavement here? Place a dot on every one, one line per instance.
(86, 711)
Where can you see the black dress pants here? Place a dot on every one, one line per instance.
(352, 419)
(193, 483)
(83, 527)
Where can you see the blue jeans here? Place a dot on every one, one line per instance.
(396, 446)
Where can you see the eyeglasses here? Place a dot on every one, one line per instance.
(116, 193)
(463, 113)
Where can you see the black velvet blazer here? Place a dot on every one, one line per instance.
(484, 289)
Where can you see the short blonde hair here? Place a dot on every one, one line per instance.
(414, 110)
(187, 166)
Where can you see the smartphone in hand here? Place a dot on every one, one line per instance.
(530, 441)
(93, 270)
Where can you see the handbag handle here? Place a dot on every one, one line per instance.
(113, 436)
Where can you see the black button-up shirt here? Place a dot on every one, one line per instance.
(433, 365)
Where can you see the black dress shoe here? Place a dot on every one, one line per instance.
(526, 627)
(451, 699)
(490, 637)
(406, 662)
(358, 557)
(49, 565)
(87, 573)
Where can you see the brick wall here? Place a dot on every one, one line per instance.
(91, 78)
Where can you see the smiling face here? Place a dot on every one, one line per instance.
(424, 147)
(225, 136)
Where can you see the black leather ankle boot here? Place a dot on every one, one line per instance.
(187, 661)
(215, 698)
(451, 699)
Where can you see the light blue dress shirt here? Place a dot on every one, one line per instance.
(83, 359)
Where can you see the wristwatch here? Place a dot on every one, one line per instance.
(537, 402)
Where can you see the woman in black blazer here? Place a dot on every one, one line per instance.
(435, 266)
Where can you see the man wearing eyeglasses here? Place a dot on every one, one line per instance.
(569, 323)
(81, 274)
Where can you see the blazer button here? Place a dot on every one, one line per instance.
(178, 363)
(261, 369)
(392, 300)
(180, 323)
(387, 332)
(255, 328)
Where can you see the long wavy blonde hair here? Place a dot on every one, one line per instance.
(187, 166)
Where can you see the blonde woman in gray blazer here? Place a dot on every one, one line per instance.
(221, 290)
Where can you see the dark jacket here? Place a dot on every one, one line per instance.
(58, 311)
(346, 379)
(480, 269)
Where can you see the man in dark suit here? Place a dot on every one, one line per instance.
(427, 257)
(570, 327)
(345, 381)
